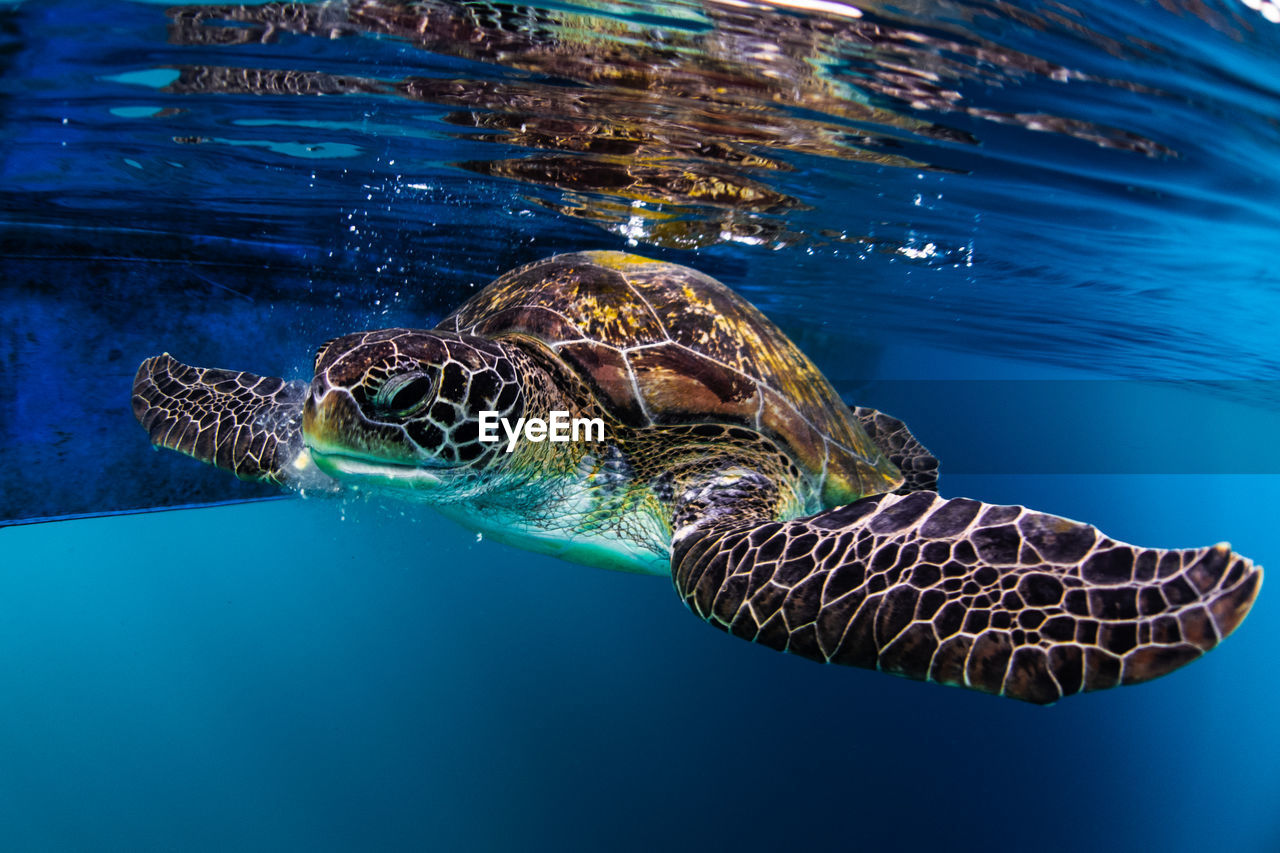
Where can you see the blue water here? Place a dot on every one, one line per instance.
(1050, 247)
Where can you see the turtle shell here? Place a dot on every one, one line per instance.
(664, 344)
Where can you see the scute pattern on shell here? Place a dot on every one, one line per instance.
(664, 344)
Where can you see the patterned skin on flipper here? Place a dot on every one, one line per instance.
(247, 424)
(994, 598)
(918, 466)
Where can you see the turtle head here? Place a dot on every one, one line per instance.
(401, 408)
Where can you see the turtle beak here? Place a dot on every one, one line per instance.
(347, 446)
(333, 423)
(327, 418)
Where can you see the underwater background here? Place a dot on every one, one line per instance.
(1042, 234)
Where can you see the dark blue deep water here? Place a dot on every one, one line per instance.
(1043, 234)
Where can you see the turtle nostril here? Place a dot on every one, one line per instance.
(309, 413)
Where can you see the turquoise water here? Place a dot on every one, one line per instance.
(1049, 246)
(290, 676)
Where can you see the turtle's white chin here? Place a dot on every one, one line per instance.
(361, 470)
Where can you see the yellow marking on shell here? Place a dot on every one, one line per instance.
(708, 319)
(621, 261)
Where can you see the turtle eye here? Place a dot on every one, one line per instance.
(405, 395)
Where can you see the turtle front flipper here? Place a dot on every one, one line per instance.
(246, 424)
(994, 598)
(919, 467)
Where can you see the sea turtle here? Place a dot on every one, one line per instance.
(727, 461)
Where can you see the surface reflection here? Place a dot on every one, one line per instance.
(670, 123)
